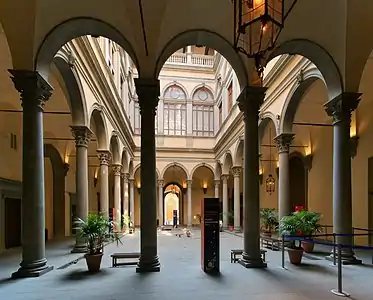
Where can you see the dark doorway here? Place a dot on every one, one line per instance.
(298, 182)
(12, 222)
(370, 197)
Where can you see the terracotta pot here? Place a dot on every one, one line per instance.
(231, 228)
(93, 262)
(308, 246)
(295, 256)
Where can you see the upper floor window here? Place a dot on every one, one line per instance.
(174, 119)
(203, 94)
(174, 92)
(230, 97)
(203, 120)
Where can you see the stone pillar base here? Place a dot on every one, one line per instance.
(254, 263)
(347, 259)
(36, 269)
(237, 229)
(148, 264)
(79, 249)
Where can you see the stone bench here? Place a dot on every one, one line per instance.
(238, 252)
(125, 255)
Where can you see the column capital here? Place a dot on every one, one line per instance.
(224, 177)
(131, 181)
(340, 107)
(116, 169)
(189, 182)
(283, 142)
(104, 156)
(125, 177)
(236, 171)
(33, 88)
(250, 99)
(217, 182)
(160, 183)
(82, 135)
(148, 91)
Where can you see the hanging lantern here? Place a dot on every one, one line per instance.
(270, 184)
(257, 26)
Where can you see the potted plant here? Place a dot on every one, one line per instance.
(126, 222)
(96, 231)
(230, 216)
(198, 217)
(268, 217)
(292, 226)
(311, 225)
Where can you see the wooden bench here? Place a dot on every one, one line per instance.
(238, 252)
(125, 255)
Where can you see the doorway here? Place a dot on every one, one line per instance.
(370, 197)
(171, 205)
(297, 182)
(12, 222)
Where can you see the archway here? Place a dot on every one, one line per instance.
(172, 203)
(298, 180)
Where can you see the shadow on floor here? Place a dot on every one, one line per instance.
(78, 275)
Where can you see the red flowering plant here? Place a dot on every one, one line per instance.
(298, 224)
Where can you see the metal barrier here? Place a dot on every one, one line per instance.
(336, 248)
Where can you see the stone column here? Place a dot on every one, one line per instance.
(249, 103)
(125, 196)
(148, 92)
(189, 195)
(104, 157)
(117, 207)
(160, 202)
(283, 142)
(340, 109)
(132, 200)
(34, 92)
(225, 200)
(237, 203)
(82, 135)
(217, 188)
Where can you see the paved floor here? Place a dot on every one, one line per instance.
(181, 277)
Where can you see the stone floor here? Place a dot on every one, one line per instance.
(181, 276)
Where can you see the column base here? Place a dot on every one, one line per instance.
(79, 249)
(35, 269)
(347, 259)
(254, 263)
(237, 229)
(148, 265)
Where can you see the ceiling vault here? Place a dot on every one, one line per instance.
(143, 28)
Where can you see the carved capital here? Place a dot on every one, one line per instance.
(125, 177)
(283, 142)
(160, 183)
(250, 100)
(340, 108)
(82, 135)
(148, 93)
(104, 156)
(217, 182)
(131, 181)
(33, 88)
(224, 177)
(189, 183)
(116, 169)
(236, 171)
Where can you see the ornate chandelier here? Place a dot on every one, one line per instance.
(257, 26)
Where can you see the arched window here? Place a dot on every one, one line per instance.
(174, 111)
(203, 112)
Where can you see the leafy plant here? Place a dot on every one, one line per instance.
(97, 230)
(302, 223)
(199, 218)
(269, 219)
(126, 221)
(230, 216)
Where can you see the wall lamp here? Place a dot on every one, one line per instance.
(95, 178)
(139, 188)
(185, 188)
(204, 187)
(261, 176)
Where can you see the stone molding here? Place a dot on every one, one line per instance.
(82, 135)
(283, 142)
(104, 156)
(33, 88)
(341, 107)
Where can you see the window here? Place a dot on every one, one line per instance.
(121, 87)
(230, 96)
(203, 94)
(174, 92)
(203, 120)
(220, 114)
(174, 119)
(137, 115)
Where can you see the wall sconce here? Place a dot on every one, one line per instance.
(66, 158)
(95, 178)
(270, 184)
(204, 187)
(139, 188)
(66, 168)
(354, 142)
(261, 176)
(308, 161)
(185, 188)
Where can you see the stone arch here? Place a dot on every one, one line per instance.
(74, 90)
(73, 28)
(202, 165)
(264, 121)
(175, 164)
(218, 170)
(125, 164)
(207, 38)
(8, 51)
(294, 98)
(228, 163)
(114, 149)
(59, 170)
(181, 86)
(98, 125)
(130, 169)
(138, 166)
(238, 154)
(317, 55)
(201, 86)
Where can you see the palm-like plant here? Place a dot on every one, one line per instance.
(269, 219)
(97, 230)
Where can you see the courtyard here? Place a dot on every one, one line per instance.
(181, 276)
